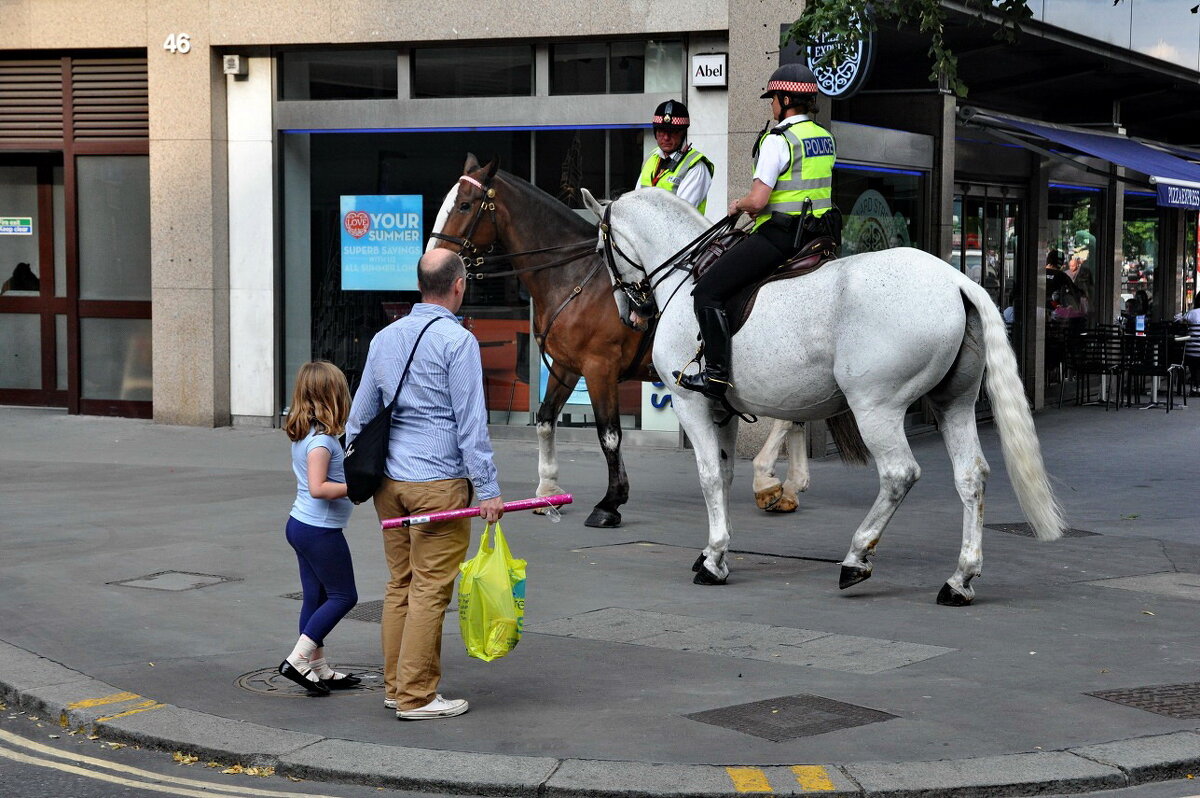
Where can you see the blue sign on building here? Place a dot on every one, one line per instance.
(381, 242)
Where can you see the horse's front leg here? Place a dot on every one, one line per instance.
(557, 392)
(714, 450)
(602, 387)
(769, 493)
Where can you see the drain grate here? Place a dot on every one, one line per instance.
(267, 681)
(1180, 701)
(1025, 530)
(789, 717)
(174, 581)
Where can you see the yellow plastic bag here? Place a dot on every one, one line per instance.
(491, 599)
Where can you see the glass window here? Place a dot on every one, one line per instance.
(20, 268)
(881, 208)
(1073, 216)
(1168, 30)
(501, 71)
(60, 351)
(116, 355)
(1187, 282)
(605, 162)
(1139, 250)
(114, 226)
(1107, 21)
(340, 75)
(621, 67)
(21, 350)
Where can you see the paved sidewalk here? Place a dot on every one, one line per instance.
(630, 680)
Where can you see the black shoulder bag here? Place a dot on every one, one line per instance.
(366, 456)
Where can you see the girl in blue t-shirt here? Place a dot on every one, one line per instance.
(320, 405)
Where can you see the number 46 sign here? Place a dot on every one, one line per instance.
(180, 43)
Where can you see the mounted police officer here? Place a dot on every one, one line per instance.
(676, 165)
(791, 200)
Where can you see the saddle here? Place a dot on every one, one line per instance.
(809, 258)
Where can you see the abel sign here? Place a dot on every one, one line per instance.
(381, 242)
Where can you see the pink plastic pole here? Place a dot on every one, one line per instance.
(471, 512)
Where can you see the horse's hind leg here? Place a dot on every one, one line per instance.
(957, 420)
(547, 422)
(769, 493)
(883, 433)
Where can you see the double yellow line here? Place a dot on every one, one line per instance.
(811, 778)
(124, 775)
(115, 698)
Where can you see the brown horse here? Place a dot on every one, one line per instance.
(553, 253)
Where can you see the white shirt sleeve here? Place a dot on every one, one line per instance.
(695, 184)
(773, 159)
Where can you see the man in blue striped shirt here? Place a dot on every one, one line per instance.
(439, 456)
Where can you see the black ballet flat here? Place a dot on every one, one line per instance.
(290, 671)
(347, 682)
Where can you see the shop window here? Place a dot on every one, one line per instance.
(605, 162)
(623, 67)
(881, 208)
(114, 226)
(494, 71)
(117, 359)
(1073, 218)
(1139, 252)
(338, 75)
(1187, 285)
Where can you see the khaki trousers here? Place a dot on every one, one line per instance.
(423, 562)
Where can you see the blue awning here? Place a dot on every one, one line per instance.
(1177, 181)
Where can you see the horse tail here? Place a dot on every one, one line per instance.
(851, 447)
(1018, 438)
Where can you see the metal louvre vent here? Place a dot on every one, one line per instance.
(110, 98)
(31, 101)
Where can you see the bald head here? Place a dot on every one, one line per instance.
(437, 272)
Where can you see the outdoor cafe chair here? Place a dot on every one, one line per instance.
(1148, 356)
(1097, 351)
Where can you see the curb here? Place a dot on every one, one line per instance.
(36, 684)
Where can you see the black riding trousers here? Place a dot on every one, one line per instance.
(748, 262)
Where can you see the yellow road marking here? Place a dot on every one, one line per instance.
(142, 707)
(115, 698)
(813, 777)
(749, 779)
(132, 771)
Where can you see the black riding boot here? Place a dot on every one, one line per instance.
(713, 381)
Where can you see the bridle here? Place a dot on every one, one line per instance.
(640, 293)
(466, 248)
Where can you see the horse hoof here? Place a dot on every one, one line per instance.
(698, 564)
(705, 577)
(768, 498)
(852, 575)
(949, 597)
(603, 519)
(784, 505)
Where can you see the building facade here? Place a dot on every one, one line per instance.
(187, 226)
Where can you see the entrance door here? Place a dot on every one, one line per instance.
(987, 238)
(33, 306)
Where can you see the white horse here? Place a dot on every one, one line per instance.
(869, 334)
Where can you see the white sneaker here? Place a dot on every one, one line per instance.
(390, 703)
(437, 708)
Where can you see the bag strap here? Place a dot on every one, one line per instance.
(408, 365)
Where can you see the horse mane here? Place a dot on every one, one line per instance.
(678, 211)
(563, 217)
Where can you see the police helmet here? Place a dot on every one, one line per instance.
(791, 79)
(672, 115)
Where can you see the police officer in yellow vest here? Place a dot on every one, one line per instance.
(791, 202)
(675, 165)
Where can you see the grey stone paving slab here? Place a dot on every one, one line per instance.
(208, 736)
(577, 777)
(1013, 774)
(418, 769)
(1164, 756)
(22, 670)
(1174, 584)
(778, 644)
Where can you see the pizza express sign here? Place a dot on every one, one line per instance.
(848, 76)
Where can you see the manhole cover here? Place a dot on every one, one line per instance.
(1025, 530)
(1180, 701)
(174, 581)
(267, 681)
(789, 717)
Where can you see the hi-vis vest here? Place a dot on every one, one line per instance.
(671, 179)
(810, 175)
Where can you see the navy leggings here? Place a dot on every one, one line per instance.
(326, 574)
